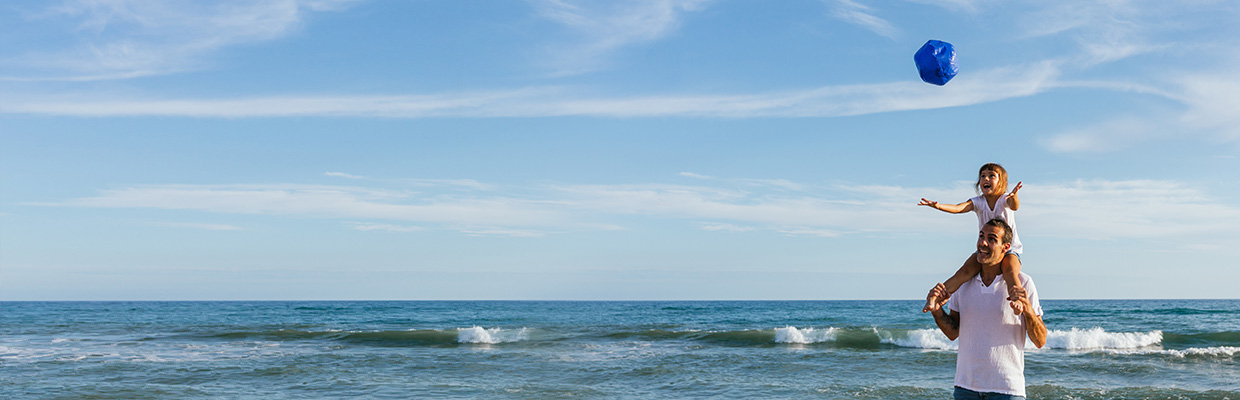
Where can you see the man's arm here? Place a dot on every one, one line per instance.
(1033, 323)
(948, 323)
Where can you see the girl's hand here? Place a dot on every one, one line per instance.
(1013, 194)
(925, 202)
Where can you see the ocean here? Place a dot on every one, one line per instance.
(1097, 349)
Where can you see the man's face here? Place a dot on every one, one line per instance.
(990, 246)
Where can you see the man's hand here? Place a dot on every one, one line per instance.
(936, 298)
(1034, 327)
(929, 203)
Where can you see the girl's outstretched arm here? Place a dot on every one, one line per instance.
(951, 208)
(1013, 201)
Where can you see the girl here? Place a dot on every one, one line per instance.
(992, 203)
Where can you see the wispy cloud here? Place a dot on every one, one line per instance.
(1129, 209)
(1207, 110)
(343, 175)
(331, 202)
(502, 232)
(130, 38)
(466, 184)
(726, 228)
(1117, 210)
(386, 227)
(1106, 31)
(858, 14)
(830, 101)
(599, 29)
(778, 183)
(968, 6)
(695, 175)
(200, 226)
(809, 232)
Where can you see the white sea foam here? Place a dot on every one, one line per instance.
(791, 334)
(1221, 351)
(1073, 339)
(921, 339)
(482, 335)
(1097, 338)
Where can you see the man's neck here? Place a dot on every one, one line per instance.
(990, 272)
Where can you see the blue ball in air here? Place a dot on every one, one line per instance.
(936, 61)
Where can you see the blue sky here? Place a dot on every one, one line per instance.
(566, 150)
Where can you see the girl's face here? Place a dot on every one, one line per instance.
(988, 182)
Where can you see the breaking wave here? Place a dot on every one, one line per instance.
(1097, 338)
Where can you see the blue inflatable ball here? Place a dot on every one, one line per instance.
(936, 61)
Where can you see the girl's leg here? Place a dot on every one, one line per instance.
(1011, 271)
(967, 271)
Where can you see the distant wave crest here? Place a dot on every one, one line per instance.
(480, 335)
(791, 334)
(1098, 338)
(921, 339)
(1192, 352)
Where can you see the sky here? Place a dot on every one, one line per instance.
(601, 150)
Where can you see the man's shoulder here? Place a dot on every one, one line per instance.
(1025, 278)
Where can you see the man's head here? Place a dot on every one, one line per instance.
(993, 242)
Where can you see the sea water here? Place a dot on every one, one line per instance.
(1097, 349)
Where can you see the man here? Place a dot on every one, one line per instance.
(990, 322)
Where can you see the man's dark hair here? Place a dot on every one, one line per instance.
(1007, 229)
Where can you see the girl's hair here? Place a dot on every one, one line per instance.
(998, 170)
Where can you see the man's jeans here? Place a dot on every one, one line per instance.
(966, 394)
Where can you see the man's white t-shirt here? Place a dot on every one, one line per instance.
(1001, 211)
(992, 337)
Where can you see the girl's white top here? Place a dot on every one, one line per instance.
(1001, 211)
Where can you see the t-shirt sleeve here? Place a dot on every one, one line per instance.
(951, 303)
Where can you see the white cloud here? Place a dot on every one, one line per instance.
(1088, 209)
(343, 175)
(501, 232)
(330, 202)
(386, 227)
(831, 101)
(965, 6)
(1103, 137)
(130, 38)
(858, 14)
(695, 176)
(726, 228)
(600, 28)
(1209, 103)
(809, 232)
(1108, 31)
(1212, 100)
(1134, 210)
(459, 183)
(1107, 210)
(779, 183)
(200, 226)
